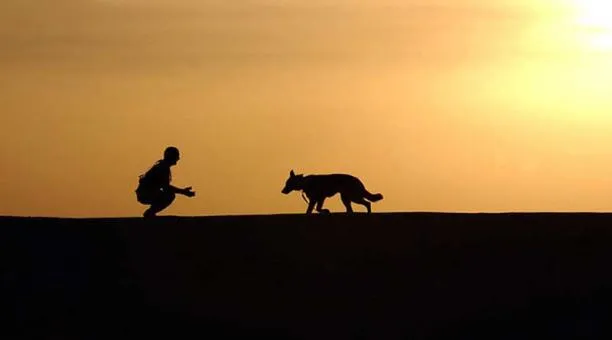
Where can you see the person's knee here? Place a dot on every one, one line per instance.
(164, 199)
(169, 197)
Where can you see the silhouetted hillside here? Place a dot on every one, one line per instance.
(379, 276)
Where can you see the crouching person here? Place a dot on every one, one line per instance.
(154, 186)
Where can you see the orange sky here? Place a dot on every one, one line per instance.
(445, 105)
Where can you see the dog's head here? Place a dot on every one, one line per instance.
(294, 182)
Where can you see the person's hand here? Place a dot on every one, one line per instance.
(187, 192)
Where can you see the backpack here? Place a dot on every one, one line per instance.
(147, 180)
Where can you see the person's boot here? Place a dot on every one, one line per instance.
(148, 213)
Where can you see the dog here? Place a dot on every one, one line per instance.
(319, 187)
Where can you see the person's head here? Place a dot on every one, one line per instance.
(171, 155)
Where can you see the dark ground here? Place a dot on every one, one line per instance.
(382, 276)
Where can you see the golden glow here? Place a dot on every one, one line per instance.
(595, 13)
(595, 16)
(441, 105)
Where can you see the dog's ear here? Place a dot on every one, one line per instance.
(292, 174)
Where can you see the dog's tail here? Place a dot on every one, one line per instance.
(373, 197)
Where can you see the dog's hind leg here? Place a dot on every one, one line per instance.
(365, 203)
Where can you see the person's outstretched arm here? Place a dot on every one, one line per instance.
(185, 191)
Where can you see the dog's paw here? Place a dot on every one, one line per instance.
(324, 211)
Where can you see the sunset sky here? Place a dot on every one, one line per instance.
(441, 105)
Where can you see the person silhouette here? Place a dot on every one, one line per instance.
(154, 186)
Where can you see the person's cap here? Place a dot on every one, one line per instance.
(171, 152)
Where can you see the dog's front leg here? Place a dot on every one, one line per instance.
(320, 207)
(311, 206)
